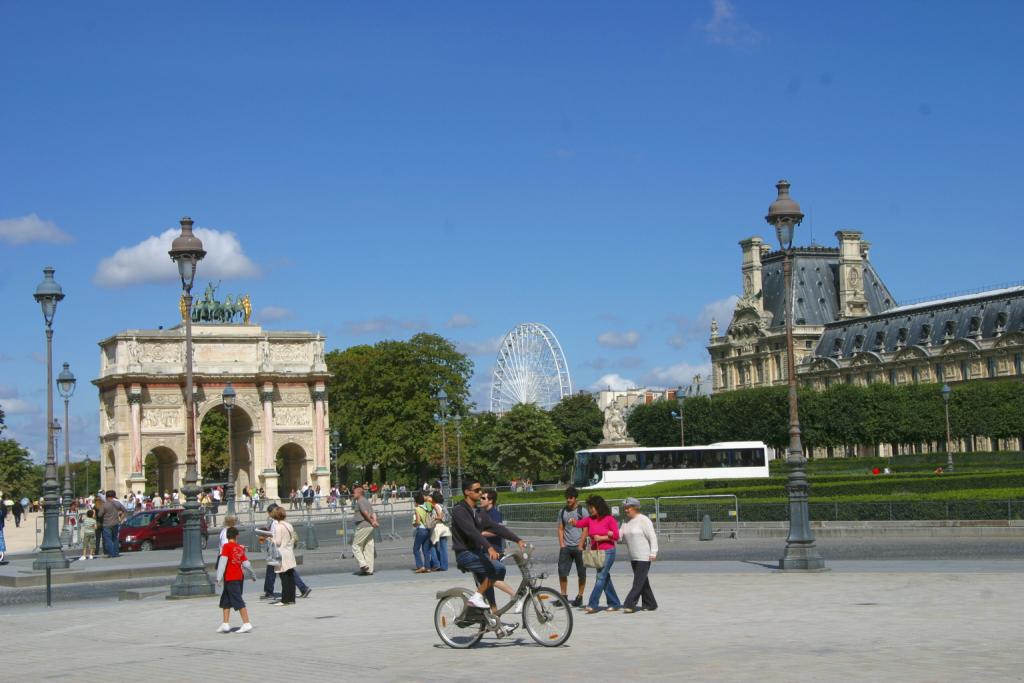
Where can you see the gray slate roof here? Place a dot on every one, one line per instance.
(816, 285)
(931, 323)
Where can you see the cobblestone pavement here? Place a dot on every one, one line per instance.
(718, 621)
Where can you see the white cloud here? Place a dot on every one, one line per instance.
(700, 327)
(619, 340)
(272, 313)
(31, 228)
(725, 29)
(487, 347)
(680, 374)
(383, 325)
(148, 261)
(460, 320)
(17, 406)
(613, 381)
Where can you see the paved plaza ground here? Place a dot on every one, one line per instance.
(718, 621)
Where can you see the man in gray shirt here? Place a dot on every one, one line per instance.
(364, 520)
(571, 540)
(112, 513)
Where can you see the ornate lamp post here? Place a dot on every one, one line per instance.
(66, 387)
(335, 450)
(88, 464)
(458, 448)
(946, 392)
(801, 554)
(192, 579)
(47, 294)
(227, 398)
(442, 402)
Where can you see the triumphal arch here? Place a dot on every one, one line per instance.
(279, 425)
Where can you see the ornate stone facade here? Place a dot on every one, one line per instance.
(280, 414)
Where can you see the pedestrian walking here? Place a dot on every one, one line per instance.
(233, 568)
(642, 544)
(112, 514)
(18, 510)
(489, 508)
(284, 538)
(441, 535)
(424, 521)
(3, 541)
(229, 521)
(266, 535)
(88, 531)
(364, 521)
(571, 541)
(603, 531)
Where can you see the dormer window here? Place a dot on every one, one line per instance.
(1001, 320)
(858, 343)
(880, 340)
(975, 330)
(901, 337)
(949, 331)
(926, 335)
(837, 347)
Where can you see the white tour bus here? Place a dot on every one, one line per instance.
(619, 467)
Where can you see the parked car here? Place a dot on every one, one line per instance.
(157, 530)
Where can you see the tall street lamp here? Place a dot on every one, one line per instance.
(458, 448)
(227, 398)
(192, 580)
(66, 387)
(442, 402)
(946, 391)
(335, 449)
(50, 556)
(801, 554)
(88, 464)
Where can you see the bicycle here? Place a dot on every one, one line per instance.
(547, 616)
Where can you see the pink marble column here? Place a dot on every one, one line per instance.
(319, 398)
(267, 396)
(135, 401)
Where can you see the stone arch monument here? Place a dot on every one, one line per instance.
(281, 406)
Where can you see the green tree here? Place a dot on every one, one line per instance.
(384, 399)
(18, 475)
(213, 438)
(528, 442)
(580, 421)
(652, 424)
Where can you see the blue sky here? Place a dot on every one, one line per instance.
(375, 169)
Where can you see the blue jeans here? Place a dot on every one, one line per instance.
(442, 553)
(604, 584)
(110, 544)
(482, 567)
(423, 549)
(270, 578)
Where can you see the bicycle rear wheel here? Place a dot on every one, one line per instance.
(547, 617)
(455, 625)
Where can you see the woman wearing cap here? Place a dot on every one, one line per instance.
(641, 541)
(603, 532)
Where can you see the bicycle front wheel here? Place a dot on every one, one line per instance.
(453, 623)
(547, 617)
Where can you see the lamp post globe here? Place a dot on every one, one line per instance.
(66, 386)
(946, 393)
(48, 294)
(227, 398)
(784, 215)
(191, 580)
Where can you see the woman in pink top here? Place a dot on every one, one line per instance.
(603, 532)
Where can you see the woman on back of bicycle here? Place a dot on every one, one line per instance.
(603, 532)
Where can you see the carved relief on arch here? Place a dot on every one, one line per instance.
(961, 346)
(865, 358)
(823, 364)
(914, 352)
(1010, 339)
(303, 441)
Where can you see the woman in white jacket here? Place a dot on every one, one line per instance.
(641, 541)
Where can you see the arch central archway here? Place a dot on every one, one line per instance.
(291, 468)
(216, 455)
(160, 468)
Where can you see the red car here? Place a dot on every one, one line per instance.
(157, 530)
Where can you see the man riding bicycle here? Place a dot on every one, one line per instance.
(473, 552)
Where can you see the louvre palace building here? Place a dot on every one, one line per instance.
(849, 328)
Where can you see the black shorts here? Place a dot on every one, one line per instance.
(231, 596)
(566, 557)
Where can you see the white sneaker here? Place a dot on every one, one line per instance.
(518, 609)
(477, 600)
(245, 628)
(224, 628)
(83, 557)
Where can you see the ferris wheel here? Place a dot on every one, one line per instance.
(530, 368)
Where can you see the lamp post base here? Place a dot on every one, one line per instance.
(801, 553)
(191, 584)
(802, 558)
(51, 559)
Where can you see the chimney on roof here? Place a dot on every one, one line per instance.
(852, 255)
(752, 281)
